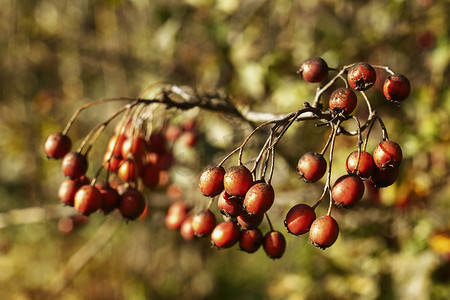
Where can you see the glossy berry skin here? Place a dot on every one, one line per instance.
(128, 170)
(211, 181)
(361, 76)
(134, 147)
(57, 145)
(314, 69)
(230, 206)
(311, 166)
(347, 190)
(387, 154)
(259, 198)
(68, 189)
(176, 214)
(203, 223)
(274, 244)
(110, 197)
(385, 177)
(132, 204)
(324, 232)
(225, 234)
(250, 240)
(396, 88)
(237, 181)
(366, 166)
(74, 165)
(88, 199)
(299, 219)
(111, 162)
(186, 230)
(249, 221)
(343, 100)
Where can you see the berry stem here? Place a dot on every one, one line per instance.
(384, 68)
(369, 106)
(268, 220)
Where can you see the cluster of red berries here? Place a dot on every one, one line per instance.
(131, 158)
(137, 156)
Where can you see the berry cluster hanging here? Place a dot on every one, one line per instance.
(137, 156)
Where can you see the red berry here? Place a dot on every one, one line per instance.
(74, 164)
(385, 177)
(259, 198)
(68, 189)
(129, 170)
(150, 175)
(186, 230)
(347, 190)
(57, 145)
(157, 143)
(250, 240)
(115, 145)
(230, 206)
(274, 244)
(311, 166)
(396, 88)
(324, 232)
(132, 204)
(314, 69)
(203, 223)
(361, 76)
(110, 199)
(188, 138)
(176, 214)
(173, 132)
(225, 234)
(111, 162)
(88, 199)
(343, 100)
(387, 154)
(211, 181)
(134, 146)
(237, 181)
(249, 221)
(299, 219)
(364, 168)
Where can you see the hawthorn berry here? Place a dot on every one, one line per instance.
(250, 240)
(176, 214)
(230, 206)
(311, 166)
(110, 199)
(132, 204)
(225, 234)
(248, 221)
(347, 190)
(88, 199)
(343, 100)
(157, 142)
(211, 181)
(324, 232)
(69, 187)
(203, 223)
(129, 170)
(396, 88)
(387, 154)
(259, 198)
(361, 76)
(274, 244)
(57, 145)
(299, 219)
(186, 230)
(237, 180)
(314, 69)
(385, 177)
(364, 168)
(74, 164)
(115, 145)
(134, 146)
(150, 175)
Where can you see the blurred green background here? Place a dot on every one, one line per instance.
(59, 55)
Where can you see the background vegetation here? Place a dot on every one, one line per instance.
(58, 55)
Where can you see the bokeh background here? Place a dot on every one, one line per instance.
(59, 55)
